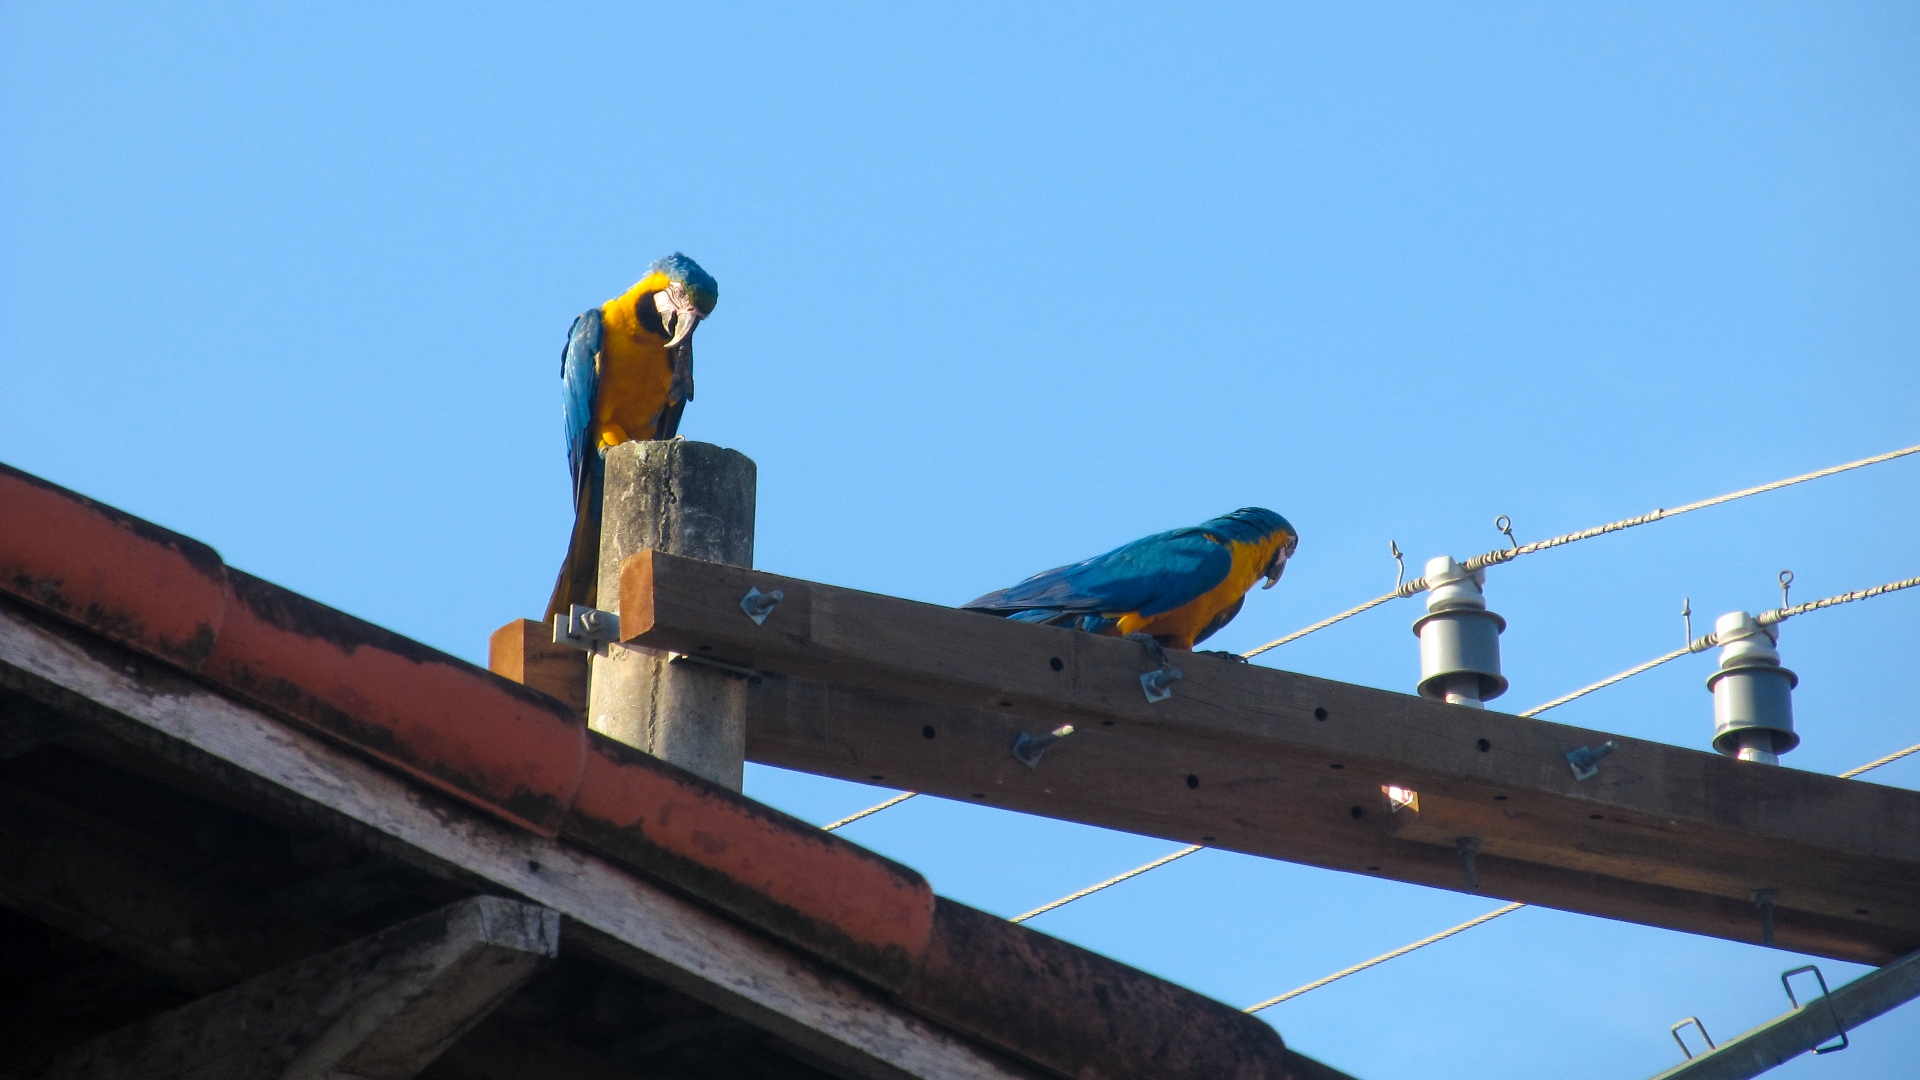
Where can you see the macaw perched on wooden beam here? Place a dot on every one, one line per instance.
(1177, 588)
(626, 373)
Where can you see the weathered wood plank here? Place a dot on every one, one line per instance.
(1842, 857)
(523, 650)
(384, 1006)
(622, 921)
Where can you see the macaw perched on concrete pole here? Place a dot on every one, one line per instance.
(1173, 589)
(626, 374)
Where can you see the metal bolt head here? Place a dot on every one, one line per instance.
(759, 605)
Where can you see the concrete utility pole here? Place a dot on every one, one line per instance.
(692, 499)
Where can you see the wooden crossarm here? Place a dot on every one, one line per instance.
(1690, 834)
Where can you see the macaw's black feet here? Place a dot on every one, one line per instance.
(1225, 655)
(1154, 649)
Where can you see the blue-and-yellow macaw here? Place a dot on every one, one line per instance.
(1176, 587)
(626, 373)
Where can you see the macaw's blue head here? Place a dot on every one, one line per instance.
(682, 293)
(1261, 527)
(699, 285)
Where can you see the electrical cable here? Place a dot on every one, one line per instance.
(1708, 641)
(1888, 760)
(1091, 889)
(1491, 558)
(1384, 957)
(870, 811)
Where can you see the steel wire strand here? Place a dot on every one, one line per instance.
(1384, 957)
(1877, 762)
(870, 811)
(1091, 889)
(1708, 641)
(1509, 554)
(1767, 618)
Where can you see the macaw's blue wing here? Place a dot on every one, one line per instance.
(579, 382)
(1149, 576)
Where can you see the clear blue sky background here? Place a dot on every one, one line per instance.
(1005, 287)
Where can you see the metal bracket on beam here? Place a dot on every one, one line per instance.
(1838, 1028)
(588, 629)
(1803, 1029)
(746, 673)
(1704, 1037)
(1159, 684)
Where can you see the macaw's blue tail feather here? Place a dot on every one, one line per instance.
(579, 580)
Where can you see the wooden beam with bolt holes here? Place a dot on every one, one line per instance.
(1661, 835)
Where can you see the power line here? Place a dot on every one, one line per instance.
(1708, 641)
(1611, 679)
(1502, 555)
(1384, 957)
(1091, 889)
(1766, 618)
(1888, 760)
(870, 811)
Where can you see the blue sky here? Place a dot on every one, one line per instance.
(1005, 287)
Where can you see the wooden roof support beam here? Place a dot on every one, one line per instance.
(621, 921)
(1663, 835)
(386, 1005)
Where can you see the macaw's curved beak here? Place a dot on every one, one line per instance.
(1278, 564)
(677, 314)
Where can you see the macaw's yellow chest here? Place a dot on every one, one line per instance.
(1181, 625)
(635, 375)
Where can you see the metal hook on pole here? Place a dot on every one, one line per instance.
(1400, 561)
(1786, 587)
(1686, 619)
